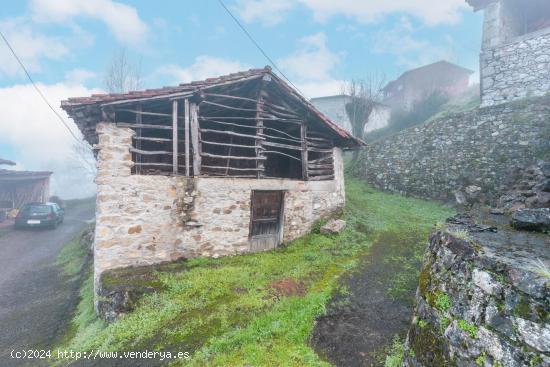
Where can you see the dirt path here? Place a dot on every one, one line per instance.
(360, 325)
(34, 299)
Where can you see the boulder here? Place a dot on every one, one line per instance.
(334, 226)
(532, 219)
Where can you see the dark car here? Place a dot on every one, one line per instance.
(39, 215)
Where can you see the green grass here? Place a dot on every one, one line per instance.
(395, 356)
(224, 312)
(469, 328)
(72, 256)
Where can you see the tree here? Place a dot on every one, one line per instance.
(122, 75)
(365, 95)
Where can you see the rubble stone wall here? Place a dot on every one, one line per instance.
(482, 300)
(143, 220)
(516, 70)
(477, 147)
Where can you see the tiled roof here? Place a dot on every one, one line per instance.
(98, 99)
(147, 93)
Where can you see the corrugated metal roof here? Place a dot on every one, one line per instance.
(10, 175)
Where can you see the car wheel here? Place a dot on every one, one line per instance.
(54, 225)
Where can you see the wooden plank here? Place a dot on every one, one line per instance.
(228, 123)
(260, 165)
(229, 107)
(230, 168)
(138, 141)
(195, 140)
(186, 128)
(156, 140)
(230, 97)
(230, 133)
(284, 146)
(175, 137)
(314, 166)
(138, 111)
(280, 138)
(149, 152)
(322, 159)
(304, 152)
(143, 126)
(281, 153)
(322, 178)
(230, 157)
(227, 144)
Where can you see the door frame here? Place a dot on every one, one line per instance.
(280, 231)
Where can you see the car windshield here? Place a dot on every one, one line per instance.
(39, 209)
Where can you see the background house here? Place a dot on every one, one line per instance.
(515, 57)
(442, 77)
(20, 187)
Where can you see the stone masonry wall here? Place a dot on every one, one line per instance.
(516, 70)
(483, 300)
(477, 147)
(143, 220)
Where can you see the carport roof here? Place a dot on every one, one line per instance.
(9, 175)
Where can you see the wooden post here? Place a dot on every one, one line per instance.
(138, 142)
(304, 152)
(195, 139)
(186, 119)
(260, 164)
(175, 137)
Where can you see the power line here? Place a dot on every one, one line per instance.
(38, 90)
(47, 102)
(257, 45)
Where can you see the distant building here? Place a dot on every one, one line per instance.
(20, 187)
(515, 49)
(414, 85)
(334, 107)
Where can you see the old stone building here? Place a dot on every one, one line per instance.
(224, 166)
(515, 50)
(414, 85)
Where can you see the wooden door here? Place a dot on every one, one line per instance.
(265, 221)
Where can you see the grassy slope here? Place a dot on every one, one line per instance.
(224, 311)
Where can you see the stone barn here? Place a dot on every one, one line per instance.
(228, 165)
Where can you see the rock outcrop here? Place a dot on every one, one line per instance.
(483, 297)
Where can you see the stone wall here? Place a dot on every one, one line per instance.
(477, 147)
(517, 69)
(483, 299)
(143, 220)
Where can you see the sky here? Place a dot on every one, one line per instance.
(67, 45)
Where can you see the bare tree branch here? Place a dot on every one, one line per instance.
(122, 75)
(365, 95)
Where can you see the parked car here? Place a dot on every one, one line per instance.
(39, 215)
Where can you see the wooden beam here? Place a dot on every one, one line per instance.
(186, 122)
(195, 139)
(138, 141)
(231, 157)
(223, 132)
(175, 137)
(304, 152)
(143, 126)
